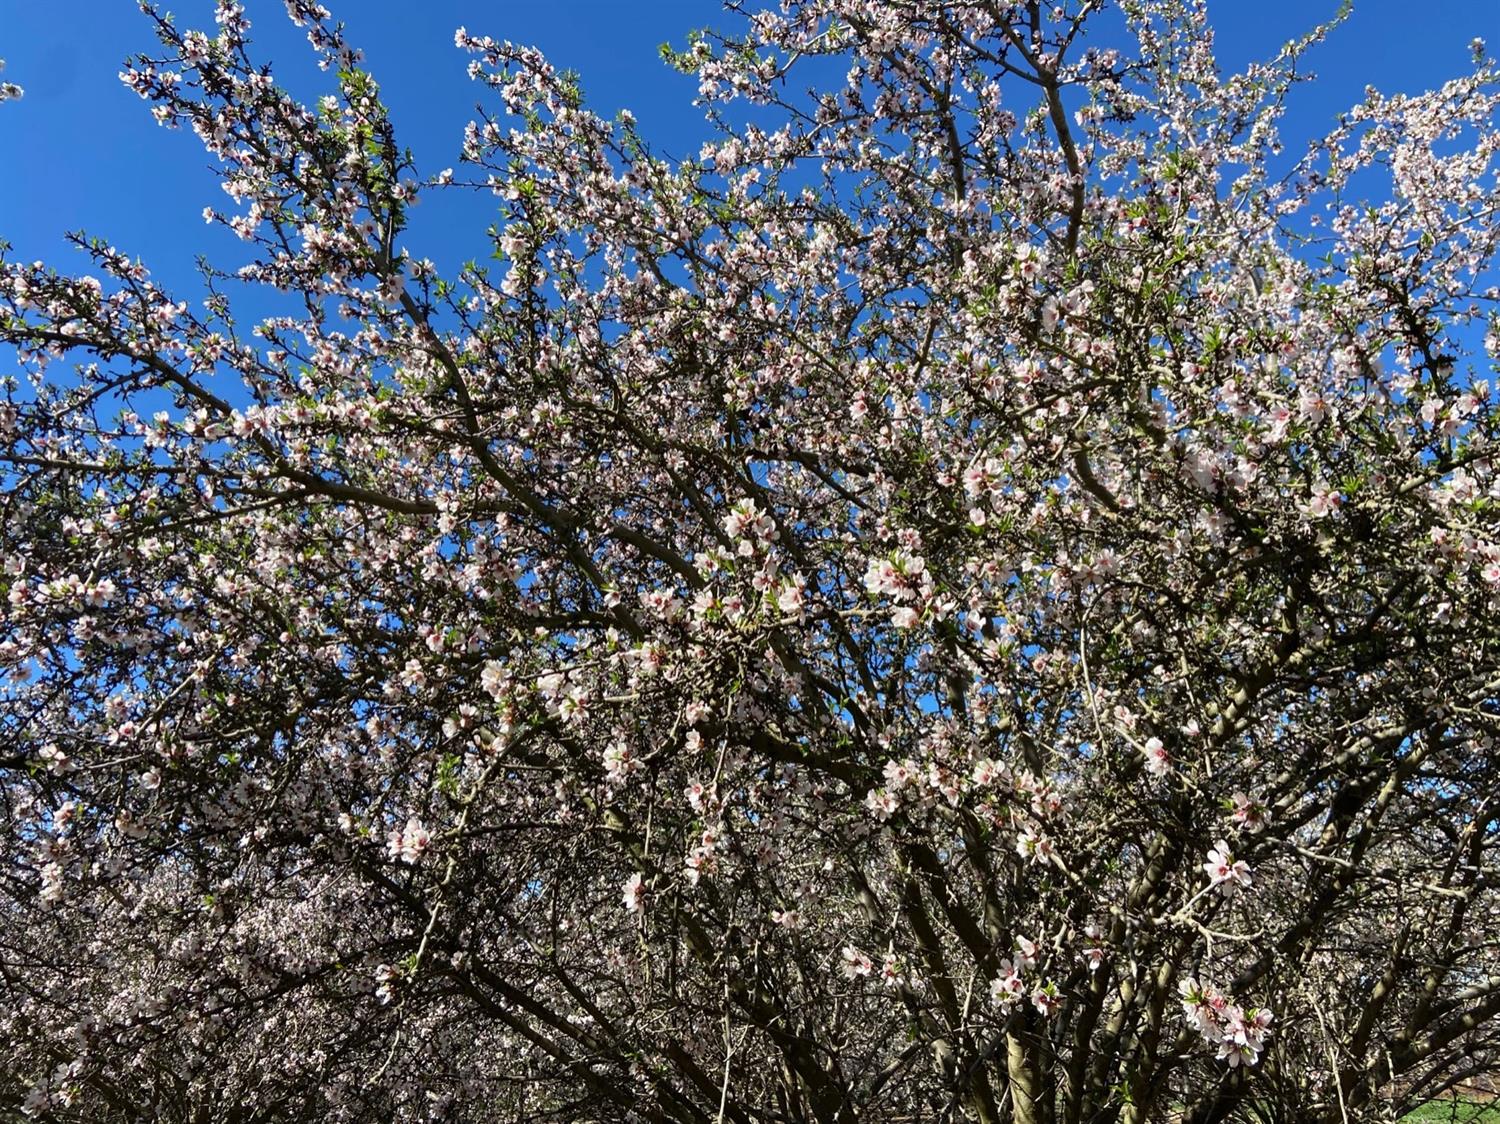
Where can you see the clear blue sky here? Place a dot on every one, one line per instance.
(82, 152)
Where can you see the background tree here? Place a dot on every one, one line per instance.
(975, 598)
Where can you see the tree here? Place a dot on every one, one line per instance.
(973, 599)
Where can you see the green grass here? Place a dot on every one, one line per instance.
(1454, 1112)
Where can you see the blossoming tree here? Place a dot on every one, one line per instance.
(973, 599)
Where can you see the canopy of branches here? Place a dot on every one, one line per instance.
(975, 598)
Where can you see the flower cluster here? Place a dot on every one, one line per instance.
(1239, 1033)
(9, 91)
(1224, 870)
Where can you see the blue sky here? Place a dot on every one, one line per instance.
(83, 152)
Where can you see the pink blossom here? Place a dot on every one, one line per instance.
(1158, 760)
(634, 894)
(1224, 870)
(409, 843)
(855, 963)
